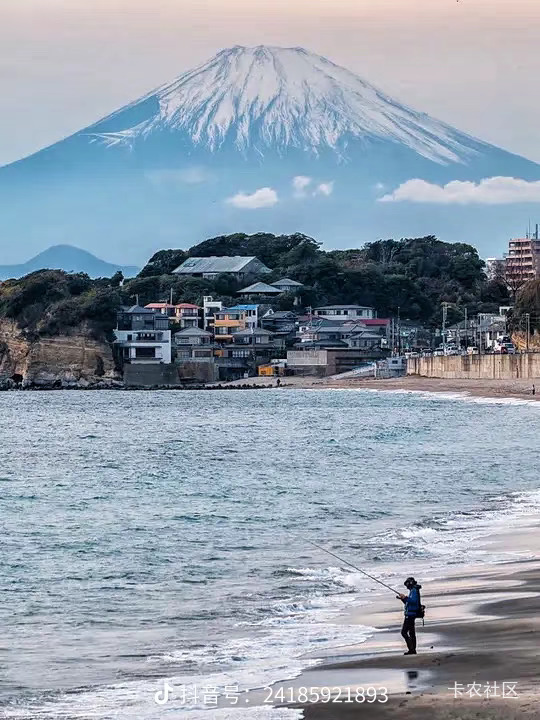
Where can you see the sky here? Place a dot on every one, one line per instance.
(66, 63)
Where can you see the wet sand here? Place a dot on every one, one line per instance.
(518, 388)
(482, 629)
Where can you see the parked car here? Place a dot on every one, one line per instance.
(508, 348)
(472, 350)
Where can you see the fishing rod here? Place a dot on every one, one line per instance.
(354, 566)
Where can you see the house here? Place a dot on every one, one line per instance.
(210, 307)
(346, 312)
(281, 323)
(287, 285)
(249, 349)
(494, 334)
(187, 315)
(251, 313)
(193, 343)
(142, 335)
(209, 268)
(227, 322)
(365, 340)
(260, 289)
(163, 308)
(252, 337)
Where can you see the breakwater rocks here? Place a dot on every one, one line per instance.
(8, 384)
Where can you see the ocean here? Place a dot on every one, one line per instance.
(165, 535)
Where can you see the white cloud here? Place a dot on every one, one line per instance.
(264, 197)
(326, 188)
(489, 191)
(300, 184)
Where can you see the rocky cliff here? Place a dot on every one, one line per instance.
(74, 360)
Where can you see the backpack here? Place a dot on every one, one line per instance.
(421, 612)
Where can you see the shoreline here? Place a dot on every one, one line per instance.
(517, 389)
(482, 630)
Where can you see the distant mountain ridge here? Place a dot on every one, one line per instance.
(70, 259)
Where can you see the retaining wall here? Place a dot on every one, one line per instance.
(487, 367)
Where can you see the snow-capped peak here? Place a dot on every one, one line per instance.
(269, 97)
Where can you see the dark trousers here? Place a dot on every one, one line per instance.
(408, 631)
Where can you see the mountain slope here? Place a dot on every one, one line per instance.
(68, 258)
(268, 98)
(256, 139)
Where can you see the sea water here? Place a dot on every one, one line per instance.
(164, 535)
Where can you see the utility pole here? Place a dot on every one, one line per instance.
(444, 315)
(479, 333)
(528, 319)
(399, 331)
(466, 330)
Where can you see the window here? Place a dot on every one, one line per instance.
(148, 352)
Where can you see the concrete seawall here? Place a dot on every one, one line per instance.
(474, 367)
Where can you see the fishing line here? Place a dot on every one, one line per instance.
(354, 566)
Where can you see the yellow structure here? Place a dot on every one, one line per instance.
(266, 370)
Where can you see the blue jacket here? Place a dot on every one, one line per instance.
(412, 603)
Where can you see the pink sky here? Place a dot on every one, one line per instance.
(472, 63)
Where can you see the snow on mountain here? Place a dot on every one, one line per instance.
(278, 98)
(274, 139)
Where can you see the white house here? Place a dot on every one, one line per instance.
(143, 336)
(345, 312)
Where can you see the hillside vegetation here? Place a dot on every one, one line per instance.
(411, 277)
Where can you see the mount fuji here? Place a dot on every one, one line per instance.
(264, 138)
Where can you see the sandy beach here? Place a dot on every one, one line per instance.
(478, 652)
(518, 388)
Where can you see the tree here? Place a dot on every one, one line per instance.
(163, 262)
(275, 251)
(527, 303)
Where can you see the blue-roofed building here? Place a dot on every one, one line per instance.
(251, 314)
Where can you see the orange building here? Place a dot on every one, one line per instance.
(227, 322)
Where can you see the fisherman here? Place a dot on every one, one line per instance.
(413, 609)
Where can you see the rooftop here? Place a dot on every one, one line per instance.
(255, 331)
(344, 307)
(159, 306)
(193, 332)
(243, 308)
(187, 306)
(288, 282)
(215, 264)
(260, 288)
(138, 310)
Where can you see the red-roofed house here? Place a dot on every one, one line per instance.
(163, 308)
(187, 315)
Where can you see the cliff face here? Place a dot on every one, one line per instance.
(74, 360)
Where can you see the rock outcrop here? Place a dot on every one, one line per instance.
(76, 360)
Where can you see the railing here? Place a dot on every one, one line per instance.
(146, 341)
